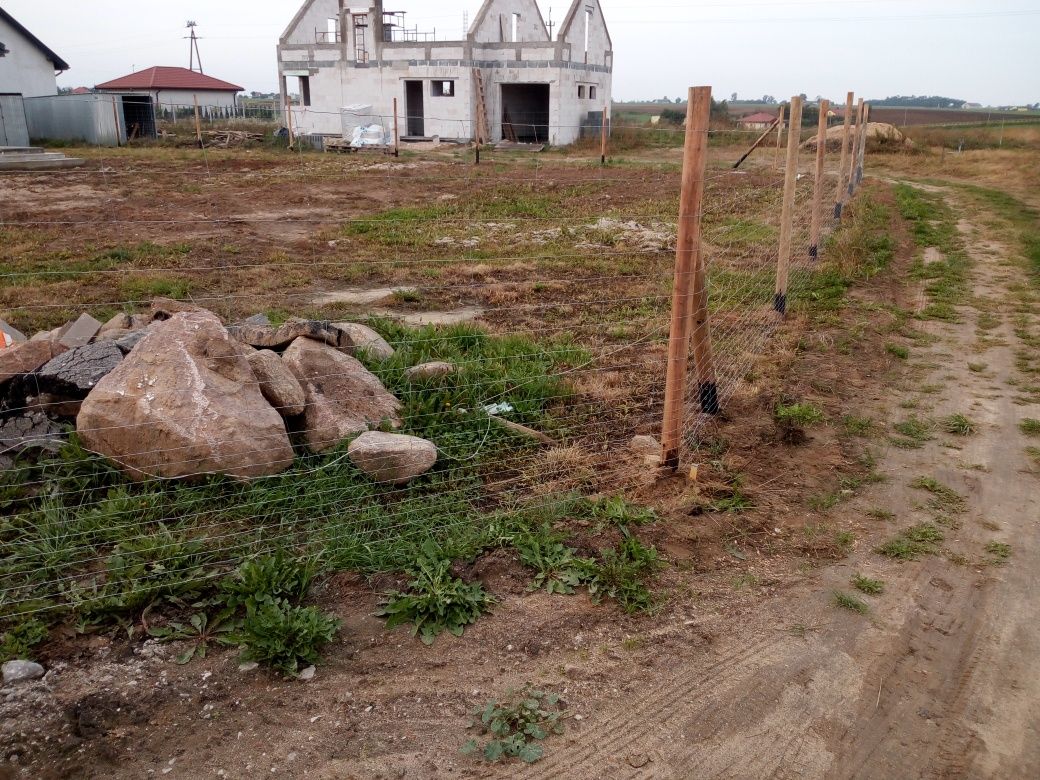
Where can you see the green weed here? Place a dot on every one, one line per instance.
(896, 350)
(516, 724)
(1030, 427)
(435, 600)
(868, 585)
(912, 543)
(558, 569)
(999, 550)
(857, 426)
(285, 637)
(620, 573)
(800, 414)
(958, 425)
(850, 602)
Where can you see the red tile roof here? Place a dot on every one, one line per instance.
(761, 117)
(170, 78)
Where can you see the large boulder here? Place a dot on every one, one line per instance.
(392, 457)
(277, 383)
(281, 336)
(74, 374)
(343, 397)
(357, 337)
(24, 358)
(185, 403)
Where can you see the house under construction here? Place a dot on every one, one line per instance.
(509, 79)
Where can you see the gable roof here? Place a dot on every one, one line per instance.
(568, 20)
(761, 116)
(56, 61)
(164, 77)
(485, 9)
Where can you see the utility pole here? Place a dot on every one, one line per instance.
(193, 48)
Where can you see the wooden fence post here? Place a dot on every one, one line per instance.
(689, 295)
(779, 138)
(603, 137)
(817, 206)
(397, 134)
(198, 123)
(839, 201)
(855, 150)
(783, 264)
(863, 143)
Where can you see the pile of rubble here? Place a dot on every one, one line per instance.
(174, 394)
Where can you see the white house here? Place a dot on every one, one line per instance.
(177, 89)
(27, 66)
(338, 53)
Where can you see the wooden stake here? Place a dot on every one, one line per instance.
(855, 151)
(603, 137)
(689, 294)
(839, 200)
(757, 143)
(863, 143)
(397, 134)
(115, 116)
(817, 205)
(779, 138)
(198, 123)
(783, 265)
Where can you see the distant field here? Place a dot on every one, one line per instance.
(896, 115)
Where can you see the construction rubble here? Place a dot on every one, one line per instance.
(173, 393)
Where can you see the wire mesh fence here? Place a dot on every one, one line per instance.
(348, 359)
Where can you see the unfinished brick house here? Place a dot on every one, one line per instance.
(529, 85)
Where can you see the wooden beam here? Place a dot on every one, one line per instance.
(757, 143)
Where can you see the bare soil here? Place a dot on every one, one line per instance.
(747, 669)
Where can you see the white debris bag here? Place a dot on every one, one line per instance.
(368, 135)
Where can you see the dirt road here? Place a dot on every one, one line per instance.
(943, 677)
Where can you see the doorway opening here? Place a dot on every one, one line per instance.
(138, 116)
(413, 108)
(525, 113)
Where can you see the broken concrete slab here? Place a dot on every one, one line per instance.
(81, 332)
(33, 433)
(359, 296)
(76, 372)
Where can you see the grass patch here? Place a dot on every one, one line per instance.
(1034, 454)
(1030, 427)
(958, 425)
(82, 543)
(897, 350)
(867, 585)
(850, 602)
(913, 543)
(999, 552)
(857, 426)
(977, 368)
(944, 499)
(915, 430)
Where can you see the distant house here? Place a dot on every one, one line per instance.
(759, 121)
(80, 91)
(177, 88)
(27, 67)
(972, 105)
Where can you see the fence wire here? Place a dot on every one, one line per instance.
(551, 278)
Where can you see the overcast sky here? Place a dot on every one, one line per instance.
(983, 51)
